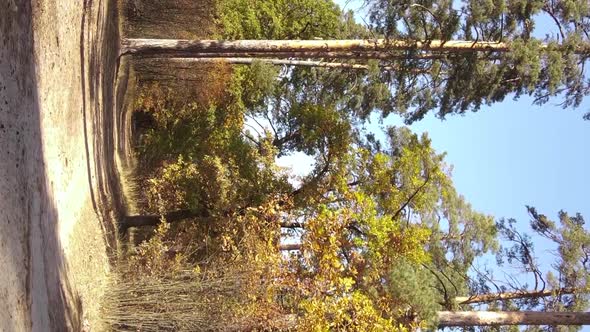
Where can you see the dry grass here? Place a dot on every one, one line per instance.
(203, 83)
(89, 267)
(133, 199)
(125, 158)
(183, 301)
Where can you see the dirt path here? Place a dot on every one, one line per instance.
(21, 169)
(57, 71)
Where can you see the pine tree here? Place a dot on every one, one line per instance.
(457, 52)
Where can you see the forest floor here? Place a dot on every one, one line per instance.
(58, 176)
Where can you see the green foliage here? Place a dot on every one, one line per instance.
(254, 83)
(414, 284)
(278, 19)
(354, 94)
(351, 312)
(451, 82)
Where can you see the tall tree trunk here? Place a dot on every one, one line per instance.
(277, 62)
(184, 47)
(483, 298)
(497, 318)
(487, 318)
(306, 55)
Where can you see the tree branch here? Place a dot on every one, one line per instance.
(396, 214)
(487, 298)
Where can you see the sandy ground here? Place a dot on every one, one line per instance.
(57, 68)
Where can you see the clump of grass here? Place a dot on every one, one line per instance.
(132, 197)
(151, 303)
(186, 300)
(134, 202)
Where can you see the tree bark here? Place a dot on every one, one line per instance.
(290, 247)
(293, 225)
(184, 47)
(496, 318)
(488, 318)
(484, 298)
(155, 219)
(304, 55)
(177, 216)
(277, 62)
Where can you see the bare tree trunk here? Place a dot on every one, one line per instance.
(177, 216)
(277, 62)
(483, 298)
(290, 247)
(497, 318)
(487, 318)
(155, 219)
(293, 225)
(381, 55)
(184, 47)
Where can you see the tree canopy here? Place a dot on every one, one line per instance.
(384, 240)
(543, 61)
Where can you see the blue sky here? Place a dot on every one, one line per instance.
(513, 154)
(510, 155)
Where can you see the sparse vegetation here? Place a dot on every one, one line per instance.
(186, 301)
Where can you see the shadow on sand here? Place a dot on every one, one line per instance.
(36, 290)
(104, 94)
